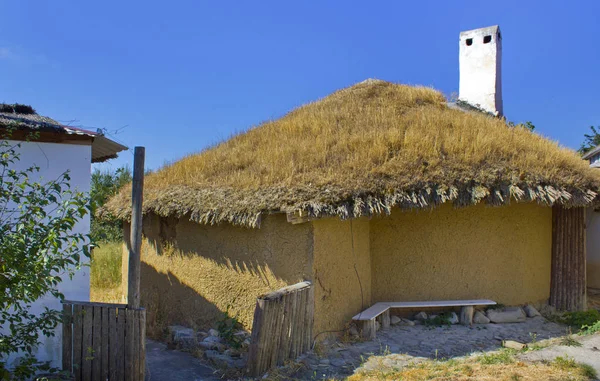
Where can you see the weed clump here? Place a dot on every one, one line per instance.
(228, 326)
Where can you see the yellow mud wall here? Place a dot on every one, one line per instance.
(482, 252)
(337, 288)
(592, 234)
(191, 273)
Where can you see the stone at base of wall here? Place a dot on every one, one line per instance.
(214, 347)
(508, 315)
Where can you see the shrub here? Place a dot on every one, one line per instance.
(590, 329)
(438, 321)
(578, 319)
(38, 249)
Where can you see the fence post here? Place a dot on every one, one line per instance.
(137, 194)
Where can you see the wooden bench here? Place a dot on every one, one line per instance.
(381, 310)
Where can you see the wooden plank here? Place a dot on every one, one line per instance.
(294, 327)
(97, 344)
(113, 342)
(94, 304)
(276, 327)
(265, 343)
(286, 290)
(379, 308)
(67, 338)
(104, 343)
(87, 343)
(372, 312)
(120, 346)
(254, 348)
(286, 329)
(442, 303)
(296, 322)
(135, 359)
(137, 194)
(129, 344)
(142, 322)
(77, 341)
(310, 318)
(298, 217)
(300, 323)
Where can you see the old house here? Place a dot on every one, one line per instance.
(593, 230)
(55, 150)
(377, 192)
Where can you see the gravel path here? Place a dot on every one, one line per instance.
(163, 364)
(400, 345)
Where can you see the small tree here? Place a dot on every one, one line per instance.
(590, 141)
(104, 185)
(39, 248)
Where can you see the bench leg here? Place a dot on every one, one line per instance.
(466, 315)
(368, 329)
(385, 319)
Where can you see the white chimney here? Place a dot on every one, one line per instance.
(480, 69)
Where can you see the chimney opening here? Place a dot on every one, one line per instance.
(469, 41)
(487, 39)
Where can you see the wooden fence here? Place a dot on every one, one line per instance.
(282, 327)
(103, 341)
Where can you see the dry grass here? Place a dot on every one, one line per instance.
(105, 273)
(363, 150)
(107, 295)
(562, 369)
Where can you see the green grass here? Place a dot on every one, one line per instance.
(106, 266)
(568, 363)
(506, 356)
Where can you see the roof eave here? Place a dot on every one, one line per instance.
(104, 149)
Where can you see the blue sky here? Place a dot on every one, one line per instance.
(179, 76)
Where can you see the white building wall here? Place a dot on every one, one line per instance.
(53, 160)
(593, 248)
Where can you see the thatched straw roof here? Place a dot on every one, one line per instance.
(361, 151)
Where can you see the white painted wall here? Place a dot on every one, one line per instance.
(481, 69)
(53, 160)
(593, 248)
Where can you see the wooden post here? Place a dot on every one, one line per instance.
(385, 319)
(137, 190)
(369, 329)
(567, 286)
(466, 315)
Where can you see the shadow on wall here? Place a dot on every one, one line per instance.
(168, 302)
(277, 249)
(192, 273)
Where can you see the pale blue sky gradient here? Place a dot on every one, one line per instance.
(183, 75)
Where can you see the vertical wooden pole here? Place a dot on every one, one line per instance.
(137, 190)
(567, 287)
